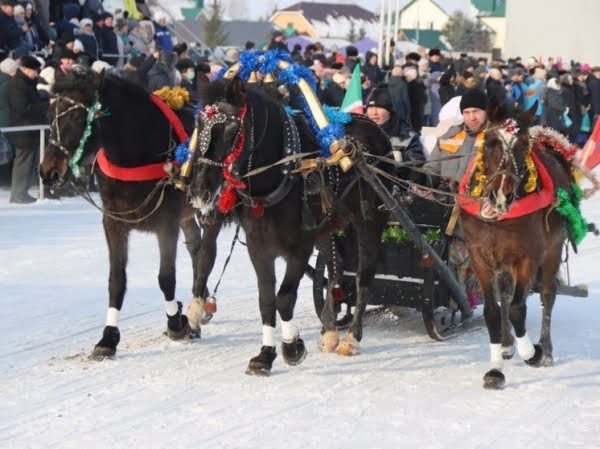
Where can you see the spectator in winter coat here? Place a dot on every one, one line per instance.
(434, 93)
(514, 95)
(26, 107)
(593, 84)
(494, 86)
(406, 145)
(278, 42)
(187, 70)
(554, 107)
(446, 86)
(141, 36)
(137, 67)
(86, 36)
(435, 63)
(399, 94)
(11, 36)
(372, 70)
(418, 97)
(333, 94)
(465, 82)
(162, 73)
(575, 109)
(162, 35)
(110, 44)
(351, 57)
(37, 30)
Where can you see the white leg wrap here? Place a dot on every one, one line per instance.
(112, 317)
(289, 331)
(268, 336)
(496, 360)
(172, 307)
(525, 347)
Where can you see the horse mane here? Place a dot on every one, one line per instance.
(80, 79)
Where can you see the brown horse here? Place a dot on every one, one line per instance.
(512, 245)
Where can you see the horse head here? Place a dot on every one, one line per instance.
(220, 140)
(74, 95)
(503, 163)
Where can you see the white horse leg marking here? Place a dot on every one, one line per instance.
(496, 360)
(525, 347)
(268, 336)
(289, 331)
(112, 317)
(172, 307)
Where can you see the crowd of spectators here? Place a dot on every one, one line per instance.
(139, 46)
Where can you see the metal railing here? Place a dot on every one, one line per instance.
(41, 129)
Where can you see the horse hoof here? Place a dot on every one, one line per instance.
(261, 364)
(329, 341)
(508, 352)
(537, 358)
(294, 353)
(101, 352)
(106, 348)
(178, 327)
(348, 346)
(493, 380)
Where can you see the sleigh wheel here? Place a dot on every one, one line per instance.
(320, 293)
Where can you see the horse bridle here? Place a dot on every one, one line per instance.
(54, 125)
(507, 156)
(91, 113)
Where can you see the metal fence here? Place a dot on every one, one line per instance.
(41, 129)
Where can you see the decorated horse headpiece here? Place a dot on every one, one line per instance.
(507, 132)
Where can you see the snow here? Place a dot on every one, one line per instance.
(403, 391)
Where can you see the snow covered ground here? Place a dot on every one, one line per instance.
(402, 391)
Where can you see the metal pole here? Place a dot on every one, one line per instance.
(380, 45)
(415, 234)
(397, 21)
(42, 155)
(388, 35)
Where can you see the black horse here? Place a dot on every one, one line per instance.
(103, 111)
(282, 216)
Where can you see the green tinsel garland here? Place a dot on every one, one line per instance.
(569, 207)
(398, 235)
(91, 116)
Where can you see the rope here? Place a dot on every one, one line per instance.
(235, 239)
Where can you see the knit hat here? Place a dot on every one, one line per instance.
(30, 62)
(351, 50)
(381, 98)
(473, 98)
(85, 22)
(8, 66)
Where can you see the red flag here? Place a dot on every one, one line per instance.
(590, 154)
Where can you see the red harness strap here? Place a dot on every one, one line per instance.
(523, 206)
(148, 172)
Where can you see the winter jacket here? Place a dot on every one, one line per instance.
(399, 92)
(554, 107)
(494, 88)
(90, 43)
(110, 46)
(418, 97)
(162, 35)
(26, 107)
(568, 93)
(10, 34)
(4, 111)
(406, 141)
(160, 76)
(333, 95)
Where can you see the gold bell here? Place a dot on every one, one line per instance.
(269, 78)
(252, 79)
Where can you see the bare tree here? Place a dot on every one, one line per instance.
(463, 34)
(214, 35)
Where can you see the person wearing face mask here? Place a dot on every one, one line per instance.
(188, 73)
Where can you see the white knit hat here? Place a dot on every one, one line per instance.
(9, 66)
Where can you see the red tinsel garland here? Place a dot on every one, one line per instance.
(550, 139)
(228, 197)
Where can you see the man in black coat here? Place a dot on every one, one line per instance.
(26, 107)
(11, 36)
(406, 145)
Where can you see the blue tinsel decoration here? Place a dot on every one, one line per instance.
(271, 60)
(304, 72)
(182, 152)
(337, 115)
(221, 73)
(198, 108)
(248, 61)
(329, 134)
(289, 111)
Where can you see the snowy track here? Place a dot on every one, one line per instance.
(403, 390)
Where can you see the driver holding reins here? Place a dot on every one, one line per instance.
(447, 164)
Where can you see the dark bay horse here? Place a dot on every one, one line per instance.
(515, 234)
(132, 132)
(242, 130)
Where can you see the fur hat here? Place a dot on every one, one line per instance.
(413, 56)
(435, 52)
(85, 22)
(8, 66)
(18, 10)
(30, 62)
(381, 98)
(473, 98)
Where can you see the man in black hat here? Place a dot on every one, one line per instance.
(26, 107)
(435, 63)
(277, 42)
(460, 140)
(406, 145)
(447, 164)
